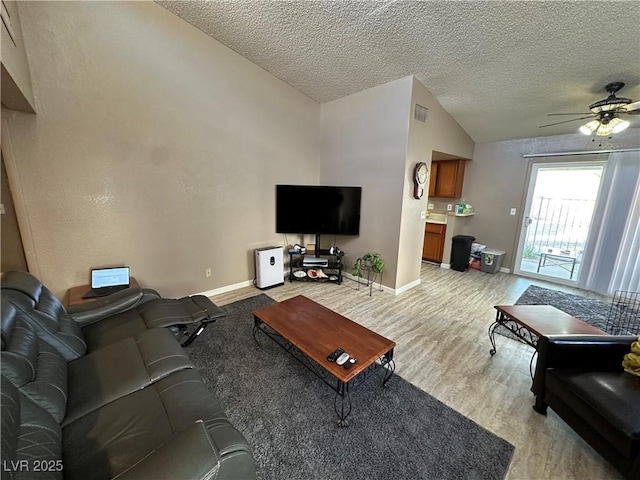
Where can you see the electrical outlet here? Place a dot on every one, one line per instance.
(207, 272)
(423, 215)
(430, 206)
(449, 207)
(512, 211)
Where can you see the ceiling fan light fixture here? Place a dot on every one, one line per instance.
(590, 127)
(605, 129)
(618, 125)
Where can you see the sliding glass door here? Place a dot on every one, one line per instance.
(558, 212)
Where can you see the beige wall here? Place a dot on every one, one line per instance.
(440, 133)
(17, 92)
(364, 143)
(12, 256)
(495, 182)
(370, 139)
(157, 147)
(154, 146)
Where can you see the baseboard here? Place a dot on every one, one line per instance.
(408, 286)
(248, 283)
(375, 287)
(226, 289)
(448, 267)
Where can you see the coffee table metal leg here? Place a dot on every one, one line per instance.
(256, 328)
(344, 409)
(531, 372)
(390, 367)
(492, 333)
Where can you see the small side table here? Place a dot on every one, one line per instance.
(74, 294)
(565, 259)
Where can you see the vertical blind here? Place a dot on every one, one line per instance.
(613, 248)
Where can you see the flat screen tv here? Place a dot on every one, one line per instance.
(317, 209)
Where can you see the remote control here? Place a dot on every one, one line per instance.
(342, 358)
(352, 361)
(334, 356)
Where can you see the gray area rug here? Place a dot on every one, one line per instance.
(594, 312)
(286, 413)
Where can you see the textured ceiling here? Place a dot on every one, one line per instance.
(498, 67)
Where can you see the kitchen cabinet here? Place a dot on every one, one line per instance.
(446, 178)
(433, 245)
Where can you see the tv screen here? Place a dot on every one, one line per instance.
(318, 209)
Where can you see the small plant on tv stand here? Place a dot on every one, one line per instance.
(370, 264)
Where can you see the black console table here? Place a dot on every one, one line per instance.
(312, 273)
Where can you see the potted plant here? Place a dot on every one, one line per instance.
(370, 264)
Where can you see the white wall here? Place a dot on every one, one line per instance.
(495, 182)
(364, 143)
(442, 134)
(154, 146)
(370, 139)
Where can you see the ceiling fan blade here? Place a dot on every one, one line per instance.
(566, 121)
(631, 107)
(581, 113)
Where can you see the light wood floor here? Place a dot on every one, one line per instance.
(440, 328)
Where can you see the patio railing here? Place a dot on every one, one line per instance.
(558, 223)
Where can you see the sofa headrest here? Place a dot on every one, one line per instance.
(45, 312)
(23, 282)
(33, 366)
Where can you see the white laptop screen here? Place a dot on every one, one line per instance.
(109, 277)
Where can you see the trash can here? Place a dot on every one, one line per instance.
(461, 251)
(491, 260)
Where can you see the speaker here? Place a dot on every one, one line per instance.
(269, 267)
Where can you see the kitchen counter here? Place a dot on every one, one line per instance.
(441, 218)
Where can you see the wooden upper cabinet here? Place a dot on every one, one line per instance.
(446, 178)
(432, 179)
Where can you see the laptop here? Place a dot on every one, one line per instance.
(105, 281)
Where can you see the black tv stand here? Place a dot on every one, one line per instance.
(298, 271)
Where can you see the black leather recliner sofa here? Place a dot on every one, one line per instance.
(104, 391)
(581, 378)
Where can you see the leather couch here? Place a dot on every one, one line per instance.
(105, 391)
(581, 378)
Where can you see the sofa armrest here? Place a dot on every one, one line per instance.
(91, 312)
(598, 352)
(190, 454)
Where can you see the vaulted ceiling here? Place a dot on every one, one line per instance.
(498, 67)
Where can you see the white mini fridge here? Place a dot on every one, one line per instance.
(269, 267)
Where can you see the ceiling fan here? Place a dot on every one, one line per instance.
(605, 113)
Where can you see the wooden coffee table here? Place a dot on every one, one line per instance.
(530, 322)
(310, 332)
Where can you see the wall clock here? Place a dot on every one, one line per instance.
(420, 176)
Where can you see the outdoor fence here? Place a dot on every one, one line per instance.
(558, 223)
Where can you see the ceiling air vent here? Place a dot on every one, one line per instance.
(420, 113)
